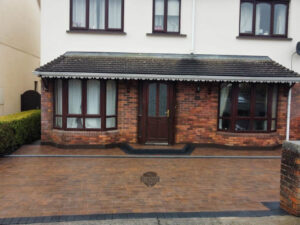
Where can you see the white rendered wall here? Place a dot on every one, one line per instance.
(217, 26)
(19, 51)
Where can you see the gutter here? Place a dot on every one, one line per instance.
(195, 78)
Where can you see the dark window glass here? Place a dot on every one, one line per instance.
(152, 99)
(247, 107)
(244, 98)
(224, 124)
(163, 93)
(242, 125)
(261, 100)
(260, 125)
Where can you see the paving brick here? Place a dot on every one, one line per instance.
(32, 187)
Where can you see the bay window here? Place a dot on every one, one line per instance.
(97, 15)
(247, 107)
(85, 104)
(166, 16)
(264, 18)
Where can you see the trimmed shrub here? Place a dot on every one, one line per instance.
(18, 129)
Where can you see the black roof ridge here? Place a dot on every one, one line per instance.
(167, 55)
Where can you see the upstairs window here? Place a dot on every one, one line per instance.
(166, 16)
(96, 15)
(264, 18)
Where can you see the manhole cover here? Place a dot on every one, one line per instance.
(150, 179)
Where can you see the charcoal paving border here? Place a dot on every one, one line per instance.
(274, 210)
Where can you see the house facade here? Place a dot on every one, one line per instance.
(168, 71)
(19, 52)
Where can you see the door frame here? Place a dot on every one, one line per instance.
(143, 111)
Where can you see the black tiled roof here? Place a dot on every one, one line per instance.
(167, 64)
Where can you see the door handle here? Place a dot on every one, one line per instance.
(168, 113)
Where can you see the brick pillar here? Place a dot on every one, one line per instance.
(290, 178)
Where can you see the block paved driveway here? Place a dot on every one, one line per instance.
(53, 186)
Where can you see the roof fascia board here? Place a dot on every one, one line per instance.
(168, 77)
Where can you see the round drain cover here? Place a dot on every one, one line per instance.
(150, 179)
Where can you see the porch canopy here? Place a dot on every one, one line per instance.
(171, 67)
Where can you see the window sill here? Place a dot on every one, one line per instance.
(247, 134)
(264, 38)
(84, 132)
(166, 35)
(96, 32)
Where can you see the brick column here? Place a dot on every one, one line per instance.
(290, 178)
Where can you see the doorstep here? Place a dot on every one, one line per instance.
(136, 149)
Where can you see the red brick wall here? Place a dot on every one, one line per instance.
(127, 121)
(290, 178)
(196, 120)
(295, 113)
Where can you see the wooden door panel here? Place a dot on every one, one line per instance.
(157, 129)
(158, 112)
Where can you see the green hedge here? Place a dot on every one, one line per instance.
(18, 129)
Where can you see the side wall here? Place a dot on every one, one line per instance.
(195, 120)
(19, 51)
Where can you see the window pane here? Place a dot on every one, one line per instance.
(159, 15)
(244, 98)
(273, 125)
(93, 123)
(274, 102)
(280, 19)
(152, 100)
(263, 19)
(75, 97)
(173, 16)
(242, 125)
(93, 97)
(224, 124)
(225, 99)
(78, 12)
(163, 94)
(110, 122)
(246, 17)
(260, 125)
(97, 14)
(58, 97)
(111, 97)
(115, 14)
(261, 100)
(58, 122)
(75, 123)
